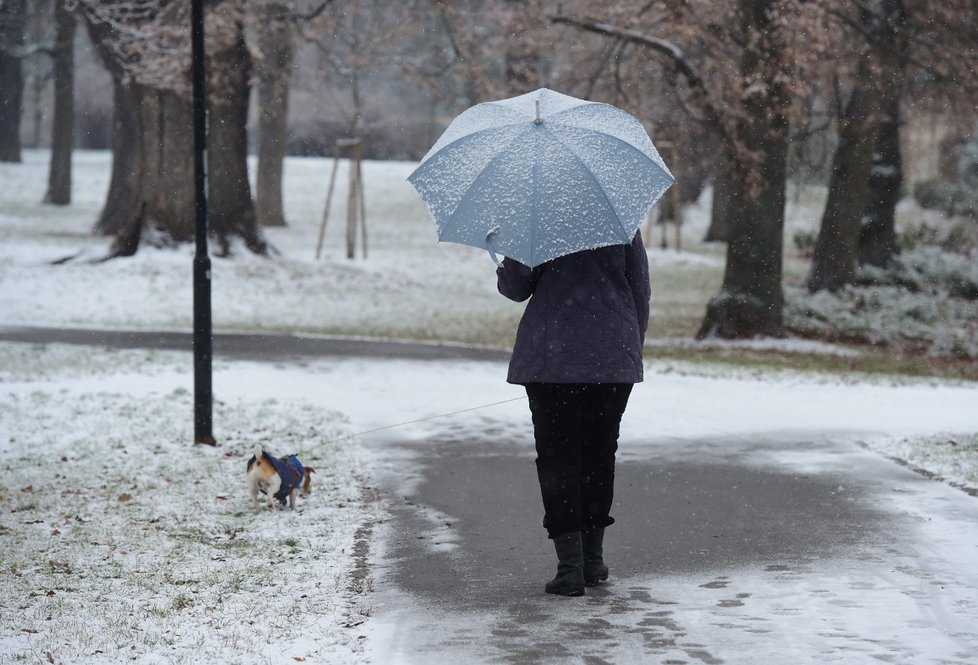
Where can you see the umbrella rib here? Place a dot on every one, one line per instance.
(466, 137)
(624, 231)
(535, 212)
(665, 171)
(491, 162)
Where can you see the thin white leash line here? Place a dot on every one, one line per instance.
(408, 422)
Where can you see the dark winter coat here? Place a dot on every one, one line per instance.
(586, 319)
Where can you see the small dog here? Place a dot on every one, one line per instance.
(277, 477)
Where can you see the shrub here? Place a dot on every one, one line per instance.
(935, 194)
(926, 300)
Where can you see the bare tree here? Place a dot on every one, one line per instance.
(230, 207)
(13, 16)
(893, 41)
(145, 46)
(878, 74)
(63, 122)
(835, 259)
(754, 78)
(273, 52)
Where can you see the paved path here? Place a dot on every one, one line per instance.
(253, 346)
(719, 554)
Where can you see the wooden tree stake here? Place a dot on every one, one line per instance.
(356, 212)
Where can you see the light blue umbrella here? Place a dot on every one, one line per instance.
(541, 175)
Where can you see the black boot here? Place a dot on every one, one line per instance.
(592, 545)
(570, 566)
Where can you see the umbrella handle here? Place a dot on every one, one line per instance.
(491, 246)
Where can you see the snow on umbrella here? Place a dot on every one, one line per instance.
(541, 175)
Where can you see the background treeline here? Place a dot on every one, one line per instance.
(868, 97)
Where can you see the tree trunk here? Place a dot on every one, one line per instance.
(835, 260)
(877, 235)
(63, 124)
(12, 20)
(277, 45)
(134, 216)
(124, 200)
(172, 201)
(690, 158)
(751, 301)
(523, 59)
(150, 198)
(230, 208)
(724, 207)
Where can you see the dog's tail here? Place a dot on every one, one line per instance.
(305, 479)
(256, 459)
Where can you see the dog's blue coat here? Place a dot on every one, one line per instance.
(290, 470)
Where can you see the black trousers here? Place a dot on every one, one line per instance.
(575, 426)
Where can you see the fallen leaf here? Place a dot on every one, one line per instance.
(125, 497)
(55, 532)
(28, 630)
(29, 489)
(50, 656)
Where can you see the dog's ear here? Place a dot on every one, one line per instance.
(259, 453)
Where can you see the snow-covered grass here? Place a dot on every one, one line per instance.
(122, 543)
(949, 457)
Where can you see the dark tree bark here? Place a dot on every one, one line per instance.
(523, 61)
(690, 162)
(276, 42)
(230, 208)
(12, 19)
(858, 223)
(877, 235)
(123, 208)
(835, 260)
(123, 203)
(751, 300)
(172, 201)
(724, 206)
(63, 123)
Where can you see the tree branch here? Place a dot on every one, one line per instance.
(308, 16)
(674, 54)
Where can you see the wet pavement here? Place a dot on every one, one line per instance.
(719, 552)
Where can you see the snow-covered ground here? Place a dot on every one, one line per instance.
(120, 541)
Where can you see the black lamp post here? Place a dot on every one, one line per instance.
(203, 333)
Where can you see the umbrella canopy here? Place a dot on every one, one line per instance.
(541, 175)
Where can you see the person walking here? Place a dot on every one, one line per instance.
(578, 352)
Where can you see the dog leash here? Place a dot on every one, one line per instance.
(355, 435)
